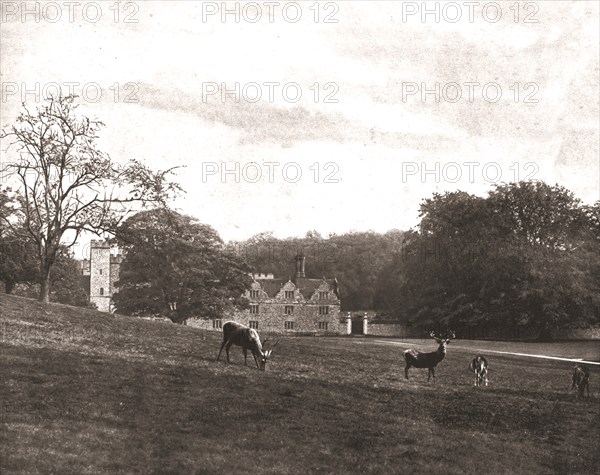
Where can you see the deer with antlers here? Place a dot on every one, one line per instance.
(240, 335)
(581, 380)
(430, 360)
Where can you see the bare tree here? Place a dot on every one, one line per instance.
(67, 185)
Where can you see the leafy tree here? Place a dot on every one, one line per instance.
(67, 185)
(177, 267)
(537, 214)
(527, 255)
(557, 236)
(17, 256)
(67, 285)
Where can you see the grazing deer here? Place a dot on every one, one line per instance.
(240, 335)
(479, 366)
(427, 360)
(581, 380)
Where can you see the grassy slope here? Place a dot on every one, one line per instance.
(84, 392)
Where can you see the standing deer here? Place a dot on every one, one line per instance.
(427, 360)
(479, 366)
(581, 380)
(240, 335)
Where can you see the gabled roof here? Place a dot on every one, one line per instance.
(271, 286)
(308, 287)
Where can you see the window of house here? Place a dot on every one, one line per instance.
(324, 310)
(254, 294)
(217, 324)
(253, 308)
(289, 294)
(289, 309)
(288, 325)
(322, 325)
(323, 295)
(254, 324)
(101, 291)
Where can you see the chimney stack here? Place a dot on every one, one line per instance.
(300, 260)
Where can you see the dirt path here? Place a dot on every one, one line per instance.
(485, 350)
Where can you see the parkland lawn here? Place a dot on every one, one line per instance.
(86, 392)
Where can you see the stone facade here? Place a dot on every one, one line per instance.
(300, 306)
(102, 271)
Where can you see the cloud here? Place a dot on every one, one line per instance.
(265, 123)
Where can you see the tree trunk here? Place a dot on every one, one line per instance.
(9, 286)
(44, 283)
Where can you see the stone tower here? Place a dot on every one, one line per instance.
(115, 269)
(100, 275)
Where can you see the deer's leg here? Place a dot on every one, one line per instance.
(229, 343)
(255, 360)
(406, 371)
(222, 345)
(245, 356)
(432, 373)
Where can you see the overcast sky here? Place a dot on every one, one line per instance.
(362, 142)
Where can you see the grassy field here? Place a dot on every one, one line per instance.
(84, 392)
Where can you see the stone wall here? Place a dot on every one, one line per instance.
(100, 289)
(272, 320)
(577, 334)
(383, 328)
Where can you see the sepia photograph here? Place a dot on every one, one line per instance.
(297, 237)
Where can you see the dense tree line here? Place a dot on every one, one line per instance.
(355, 259)
(525, 256)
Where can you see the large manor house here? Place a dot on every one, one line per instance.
(298, 305)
